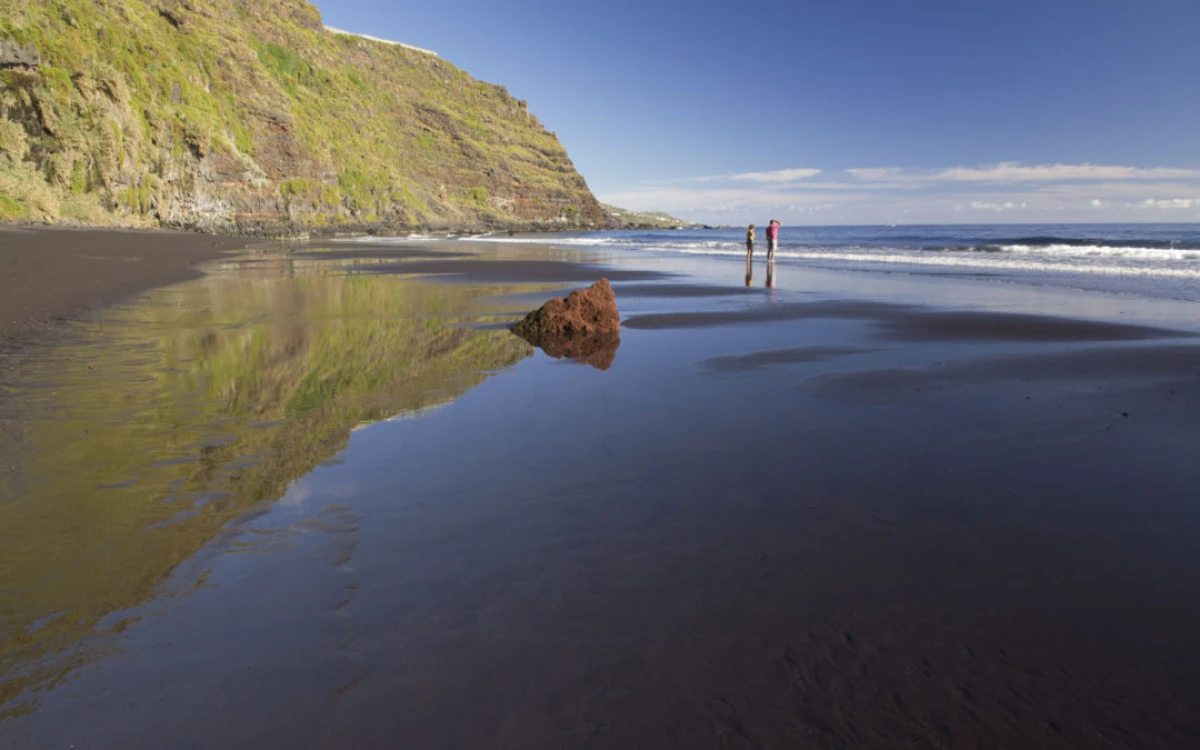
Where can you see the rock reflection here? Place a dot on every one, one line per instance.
(178, 414)
(598, 351)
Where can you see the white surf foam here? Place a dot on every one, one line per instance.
(1107, 251)
(1106, 260)
(1001, 263)
(579, 241)
(397, 239)
(996, 261)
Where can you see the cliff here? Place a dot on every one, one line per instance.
(250, 116)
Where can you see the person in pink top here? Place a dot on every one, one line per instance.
(772, 239)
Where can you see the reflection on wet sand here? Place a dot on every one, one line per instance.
(148, 430)
(598, 351)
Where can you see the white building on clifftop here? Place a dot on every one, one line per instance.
(332, 30)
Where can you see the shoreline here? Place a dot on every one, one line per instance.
(50, 274)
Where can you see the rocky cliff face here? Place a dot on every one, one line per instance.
(250, 116)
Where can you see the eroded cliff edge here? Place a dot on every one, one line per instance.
(250, 116)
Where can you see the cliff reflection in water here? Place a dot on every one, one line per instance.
(148, 430)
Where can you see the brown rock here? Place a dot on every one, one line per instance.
(13, 55)
(582, 313)
(585, 326)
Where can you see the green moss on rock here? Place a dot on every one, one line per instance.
(11, 209)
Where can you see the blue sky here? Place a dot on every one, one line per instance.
(846, 111)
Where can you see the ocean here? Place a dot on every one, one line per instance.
(1152, 260)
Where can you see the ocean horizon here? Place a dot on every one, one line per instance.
(1150, 260)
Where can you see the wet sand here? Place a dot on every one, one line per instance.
(48, 274)
(904, 322)
(474, 271)
(777, 519)
(51, 275)
(759, 360)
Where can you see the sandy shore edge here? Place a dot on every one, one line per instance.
(49, 274)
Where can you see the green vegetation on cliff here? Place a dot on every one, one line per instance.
(250, 115)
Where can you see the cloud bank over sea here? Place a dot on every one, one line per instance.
(1006, 192)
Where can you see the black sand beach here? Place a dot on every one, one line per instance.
(48, 274)
(324, 500)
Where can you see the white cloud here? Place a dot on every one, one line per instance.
(779, 175)
(1005, 206)
(1116, 191)
(1000, 192)
(1015, 172)
(877, 174)
(698, 201)
(1168, 203)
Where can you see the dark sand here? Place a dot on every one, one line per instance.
(759, 360)
(906, 323)
(1172, 364)
(524, 301)
(975, 326)
(822, 310)
(362, 251)
(512, 271)
(47, 274)
(684, 291)
(881, 526)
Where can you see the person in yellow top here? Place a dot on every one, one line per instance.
(750, 241)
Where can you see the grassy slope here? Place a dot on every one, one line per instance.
(248, 114)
